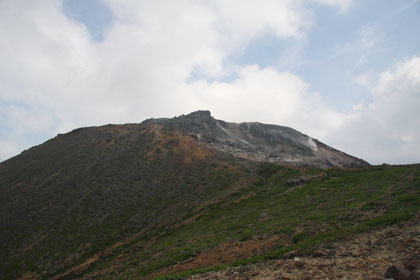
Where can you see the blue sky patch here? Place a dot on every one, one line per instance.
(94, 14)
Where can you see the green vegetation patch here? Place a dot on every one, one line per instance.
(324, 209)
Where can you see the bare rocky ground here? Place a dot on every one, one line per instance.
(366, 256)
(260, 142)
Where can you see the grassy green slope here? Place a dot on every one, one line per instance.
(329, 206)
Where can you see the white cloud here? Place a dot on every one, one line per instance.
(244, 19)
(29, 120)
(138, 71)
(387, 129)
(364, 79)
(264, 95)
(8, 149)
(247, 96)
(59, 79)
(343, 5)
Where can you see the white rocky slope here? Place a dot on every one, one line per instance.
(261, 142)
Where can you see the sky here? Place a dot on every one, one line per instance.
(346, 72)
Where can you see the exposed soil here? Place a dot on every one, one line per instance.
(225, 253)
(366, 256)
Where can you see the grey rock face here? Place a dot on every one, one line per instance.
(261, 142)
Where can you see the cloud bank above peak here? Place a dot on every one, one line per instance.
(166, 58)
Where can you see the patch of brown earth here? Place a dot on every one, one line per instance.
(78, 269)
(223, 254)
(178, 143)
(28, 276)
(30, 246)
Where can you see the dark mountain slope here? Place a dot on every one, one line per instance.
(261, 142)
(81, 192)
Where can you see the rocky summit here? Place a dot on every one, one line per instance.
(260, 142)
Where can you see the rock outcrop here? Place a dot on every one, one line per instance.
(260, 142)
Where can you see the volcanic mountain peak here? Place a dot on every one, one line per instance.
(261, 142)
(137, 201)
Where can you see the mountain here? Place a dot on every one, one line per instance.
(170, 197)
(80, 192)
(260, 142)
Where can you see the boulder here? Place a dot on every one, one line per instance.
(399, 273)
